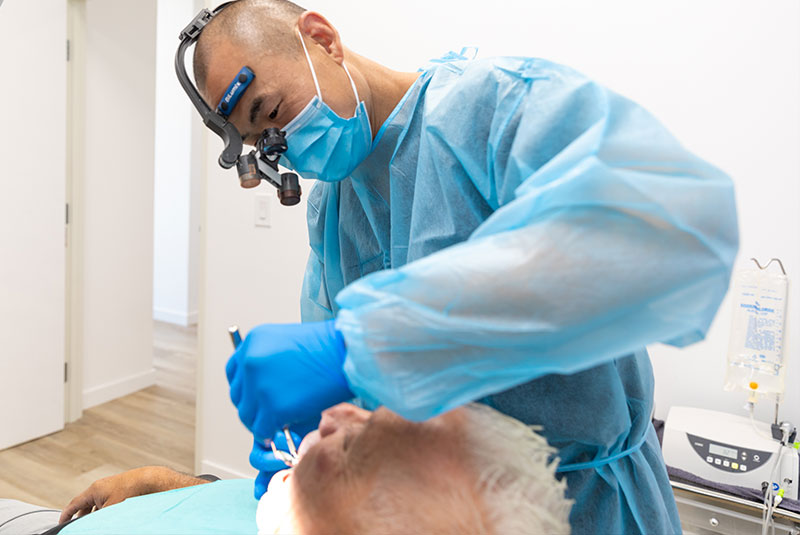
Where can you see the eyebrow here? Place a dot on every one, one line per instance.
(255, 107)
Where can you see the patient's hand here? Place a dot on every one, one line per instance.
(136, 482)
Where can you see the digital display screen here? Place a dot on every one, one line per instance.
(722, 450)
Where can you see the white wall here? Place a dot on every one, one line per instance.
(118, 199)
(176, 246)
(252, 275)
(32, 225)
(723, 75)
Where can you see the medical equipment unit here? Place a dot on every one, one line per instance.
(257, 165)
(727, 449)
(290, 457)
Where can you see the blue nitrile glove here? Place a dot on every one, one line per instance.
(263, 460)
(284, 374)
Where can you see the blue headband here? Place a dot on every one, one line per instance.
(235, 91)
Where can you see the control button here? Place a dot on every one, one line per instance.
(710, 459)
(756, 458)
(735, 466)
(744, 455)
(717, 461)
(743, 468)
(725, 463)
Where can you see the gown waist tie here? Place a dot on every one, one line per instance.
(603, 461)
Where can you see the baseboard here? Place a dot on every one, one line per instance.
(223, 472)
(116, 389)
(178, 318)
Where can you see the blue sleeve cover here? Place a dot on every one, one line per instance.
(620, 239)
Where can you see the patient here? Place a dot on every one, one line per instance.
(471, 470)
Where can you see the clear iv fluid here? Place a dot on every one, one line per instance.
(755, 350)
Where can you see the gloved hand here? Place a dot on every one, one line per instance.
(284, 374)
(263, 460)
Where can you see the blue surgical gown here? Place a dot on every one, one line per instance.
(518, 234)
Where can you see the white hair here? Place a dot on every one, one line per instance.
(516, 475)
(508, 486)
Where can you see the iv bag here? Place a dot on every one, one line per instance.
(755, 350)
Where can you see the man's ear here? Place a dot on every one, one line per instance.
(316, 27)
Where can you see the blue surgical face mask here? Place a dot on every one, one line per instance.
(323, 145)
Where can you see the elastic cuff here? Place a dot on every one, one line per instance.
(338, 340)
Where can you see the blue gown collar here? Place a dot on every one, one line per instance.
(413, 90)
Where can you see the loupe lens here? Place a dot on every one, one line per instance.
(290, 189)
(247, 168)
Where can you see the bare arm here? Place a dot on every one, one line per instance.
(115, 489)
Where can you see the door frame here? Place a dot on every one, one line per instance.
(76, 77)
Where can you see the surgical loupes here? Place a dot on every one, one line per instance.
(257, 165)
(290, 457)
(262, 164)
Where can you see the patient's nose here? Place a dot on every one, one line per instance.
(340, 416)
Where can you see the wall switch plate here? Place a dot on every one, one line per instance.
(263, 210)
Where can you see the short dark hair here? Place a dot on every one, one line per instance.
(261, 26)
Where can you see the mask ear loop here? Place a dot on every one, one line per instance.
(311, 65)
(314, 73)
(353, 85)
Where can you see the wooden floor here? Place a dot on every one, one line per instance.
(152, 426)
